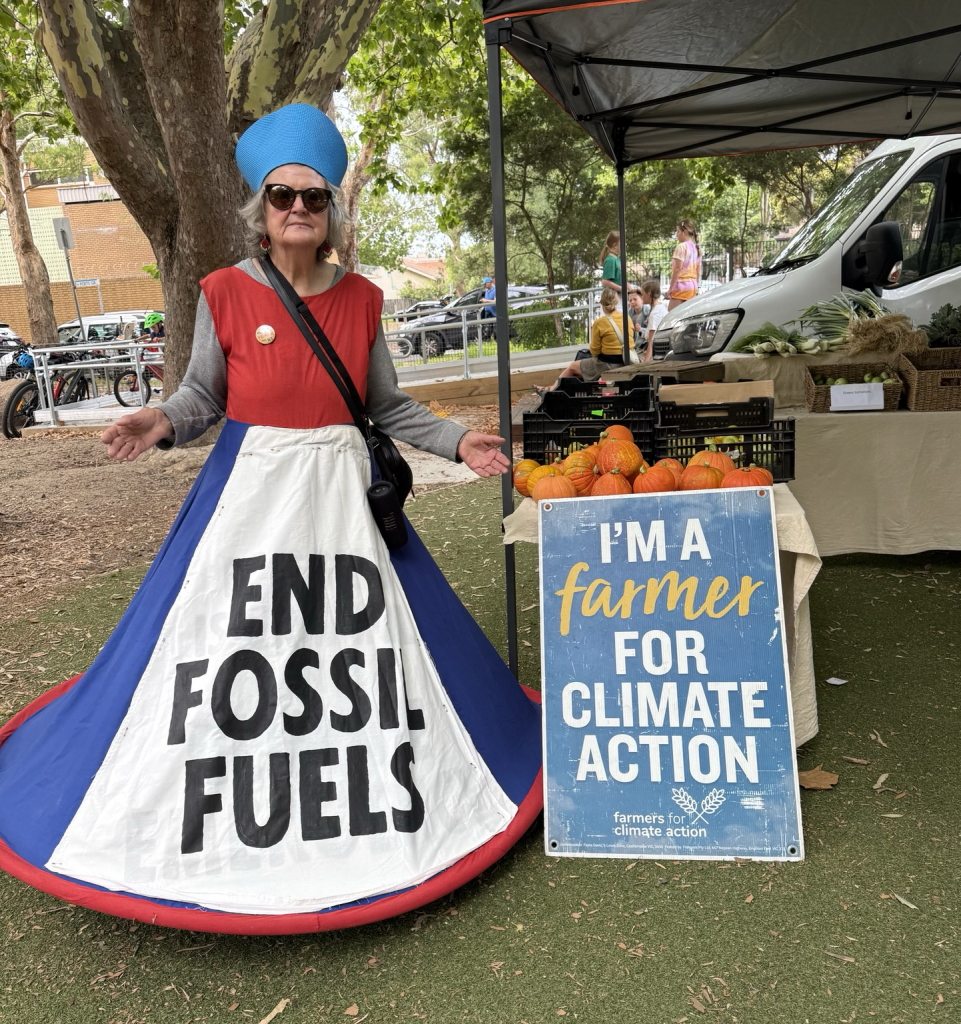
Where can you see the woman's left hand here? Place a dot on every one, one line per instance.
(482, 453)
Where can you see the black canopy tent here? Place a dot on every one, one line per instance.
(660, 79)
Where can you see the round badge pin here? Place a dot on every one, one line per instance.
(265, 334)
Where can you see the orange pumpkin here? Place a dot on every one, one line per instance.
(553, 485)
(655, 478)
(579, 469)
(615, 432)
(673, 465)
(750, 476)
(538, 474)
(611, 483)
(714, 458)
(700, 477)
(622, 455)
(522, 471)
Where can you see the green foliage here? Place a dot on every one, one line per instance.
(384, 233)
(61, 161)
(151, 270)
(945, 328)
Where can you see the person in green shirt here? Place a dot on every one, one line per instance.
(611, 259)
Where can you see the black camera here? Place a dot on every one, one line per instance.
(388, 513)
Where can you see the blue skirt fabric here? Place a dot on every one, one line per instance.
(291, 728)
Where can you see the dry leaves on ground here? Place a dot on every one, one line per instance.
(816, 778)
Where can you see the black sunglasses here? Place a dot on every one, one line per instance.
(283, 197)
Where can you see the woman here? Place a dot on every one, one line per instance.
(610, 259)
(291, 728)
(651, 296)
(607, 344)
(685, 265)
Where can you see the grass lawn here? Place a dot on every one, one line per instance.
(867, 928)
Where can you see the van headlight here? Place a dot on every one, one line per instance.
(704, 335)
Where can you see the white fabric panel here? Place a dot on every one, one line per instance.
(300, 492)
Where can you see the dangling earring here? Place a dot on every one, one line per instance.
(326, 249)
(265, 245)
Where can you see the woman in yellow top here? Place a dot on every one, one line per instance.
(685, 265)
(607, 343)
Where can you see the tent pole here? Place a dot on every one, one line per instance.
(495, 35)
(622, 230)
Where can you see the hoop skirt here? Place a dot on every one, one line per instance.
(291, 728)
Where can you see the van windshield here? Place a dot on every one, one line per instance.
(840, 211)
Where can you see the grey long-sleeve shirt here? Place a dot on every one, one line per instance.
(201, 399)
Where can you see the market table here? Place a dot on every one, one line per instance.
(799, 563)
(879, 482)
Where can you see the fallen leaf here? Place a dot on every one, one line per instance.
(279, 1008)
(904, 902)
(837, 956)
(880, 781)
(815, 778)
(892, 815)
(749, 898)
(352, 1010)
(855, 760)
(876, 736)
(698, 1005)
(233, 1006)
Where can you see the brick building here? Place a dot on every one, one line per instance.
(109, 247)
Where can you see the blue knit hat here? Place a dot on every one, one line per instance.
(295, 134)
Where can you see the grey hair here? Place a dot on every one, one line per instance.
(255, 220)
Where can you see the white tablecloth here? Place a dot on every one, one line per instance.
(800, 563)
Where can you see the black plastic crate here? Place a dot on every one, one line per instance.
(564, 421)
(770, 447)
(755, 412)
(640, 387)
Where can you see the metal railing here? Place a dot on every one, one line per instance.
(562, 319)
(100, 368)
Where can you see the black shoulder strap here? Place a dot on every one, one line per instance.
(319, 343)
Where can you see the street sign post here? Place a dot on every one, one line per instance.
(61, 228)
(667, 712)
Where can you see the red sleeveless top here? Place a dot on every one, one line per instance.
(283, 384)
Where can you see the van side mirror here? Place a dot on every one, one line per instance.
(875, 261)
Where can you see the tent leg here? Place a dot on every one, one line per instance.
(494, 105)
(622, 230)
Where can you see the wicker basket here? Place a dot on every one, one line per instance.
(933, 379)
(819, 395)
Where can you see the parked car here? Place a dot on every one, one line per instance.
(103, 327)
(9, 339)
(419, 309)
(437, 332)
(894, 226)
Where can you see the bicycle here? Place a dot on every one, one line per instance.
(21, 406)
(127, 387)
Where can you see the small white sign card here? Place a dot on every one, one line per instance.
(857, 397)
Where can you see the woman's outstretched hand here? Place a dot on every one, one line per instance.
(482, 453)
(132, 435)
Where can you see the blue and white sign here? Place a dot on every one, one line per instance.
(667, 711)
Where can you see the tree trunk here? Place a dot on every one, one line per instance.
(33, 271)
(350, 191)
(161, 112)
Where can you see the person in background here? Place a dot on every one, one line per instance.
(685, 265)
(490, 295)
(651, 295)
(610, 258)
(607, 343)
(154, 324)
(637, 309)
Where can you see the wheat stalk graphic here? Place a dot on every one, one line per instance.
(687, 803)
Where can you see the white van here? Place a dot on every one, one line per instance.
(908, 188)
(102, 326)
